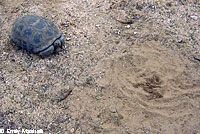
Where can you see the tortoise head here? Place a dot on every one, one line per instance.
(55, 47)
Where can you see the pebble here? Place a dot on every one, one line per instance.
(68, 39)
(98, 97)
(65, 25)
(180, 41)
(113, 110)
(21, 96)
(128, 26)
(72, 130)
(194, 17)
(117, 31)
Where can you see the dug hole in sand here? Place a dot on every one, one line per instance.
(148, 90)
(132, 67)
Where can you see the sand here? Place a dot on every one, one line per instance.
(128, 67)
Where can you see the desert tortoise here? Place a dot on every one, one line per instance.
(37, 35)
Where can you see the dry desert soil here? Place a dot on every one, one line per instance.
(127, 67)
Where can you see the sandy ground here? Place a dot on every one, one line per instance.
(133, 68)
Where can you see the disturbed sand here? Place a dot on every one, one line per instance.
(133, 67)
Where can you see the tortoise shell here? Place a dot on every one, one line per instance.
(36, 34)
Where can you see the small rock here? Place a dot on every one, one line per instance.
(127, 26)
(98, 97)
(21, 96)
(180, 41)
(65, 25)
(117, 31)
(113, 110)
(68, 39)
(72, 130)
(194, 17)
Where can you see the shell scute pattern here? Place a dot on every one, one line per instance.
(20, 28)
(24, 44)
(37, 38)
(34, 33)
(30, 20)
(27, 32)
(40, 25)
(48, 33)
